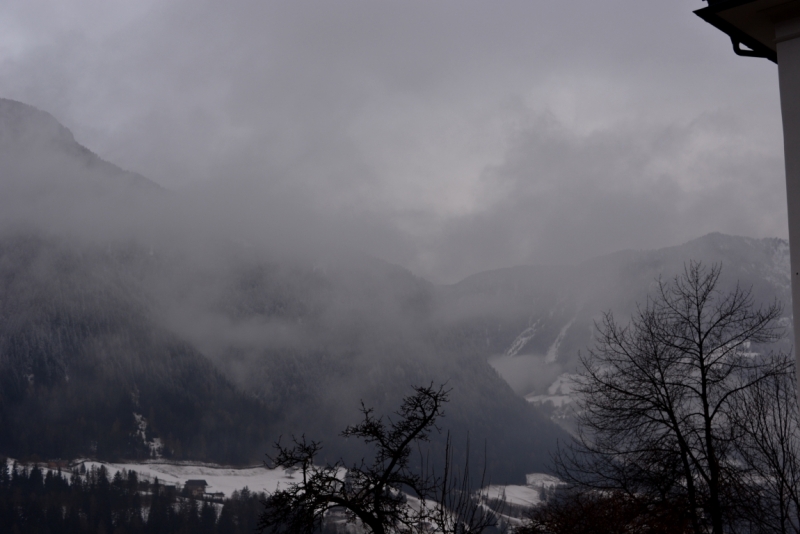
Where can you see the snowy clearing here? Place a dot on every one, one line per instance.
(220, 479)
(226, 480)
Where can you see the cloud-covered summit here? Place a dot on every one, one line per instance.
(448, 137)
(22, 125)
(29, 135)
(50, 182)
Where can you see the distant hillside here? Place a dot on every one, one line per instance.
(123, 334)
(32, 142)
(531, 322)
(126, 332)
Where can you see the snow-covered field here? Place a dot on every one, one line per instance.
(560, 392)
(226, 480)
(519, 495)
(528, 495)
(220, 479)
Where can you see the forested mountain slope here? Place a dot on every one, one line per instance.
(129, 329)
(532, 321)
(126, 333)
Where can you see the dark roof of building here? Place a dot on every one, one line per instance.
(196, 483)
(750, 23)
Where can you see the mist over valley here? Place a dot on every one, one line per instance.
(217, 345)
(348, 267)
(137, 323)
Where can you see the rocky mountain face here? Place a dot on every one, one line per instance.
(123, 335)
(531, 323)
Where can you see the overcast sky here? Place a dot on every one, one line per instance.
(446, 136)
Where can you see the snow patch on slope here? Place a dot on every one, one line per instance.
(522, 339)
(155, 445)
(552, 352)
(559, 393)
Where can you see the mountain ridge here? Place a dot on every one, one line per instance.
(120, 343)
(219, 348)
(532, 333)
(23, 127)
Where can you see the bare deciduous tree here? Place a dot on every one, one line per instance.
(768, 445)
(457, 506)
(572, 511)
(659, 397)
(385, 495)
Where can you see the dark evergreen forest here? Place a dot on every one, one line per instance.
(92, 349)
(41, 501)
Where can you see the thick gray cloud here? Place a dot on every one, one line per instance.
(447, 136)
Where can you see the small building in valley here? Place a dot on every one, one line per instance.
(195, 488)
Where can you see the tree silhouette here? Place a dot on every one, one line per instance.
(659, 397)
(384, 495)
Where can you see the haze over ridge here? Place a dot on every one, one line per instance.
(449, 138)
(123, 307)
